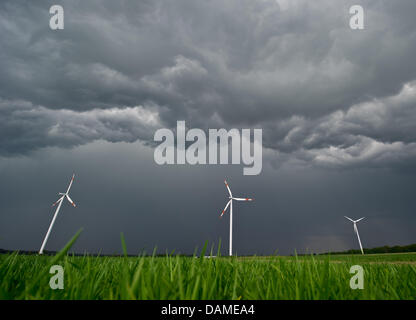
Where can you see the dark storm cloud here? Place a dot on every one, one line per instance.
(379, 132)
(293, 68)
(26, 127)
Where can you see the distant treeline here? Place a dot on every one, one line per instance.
(52, 253)
(385, 249)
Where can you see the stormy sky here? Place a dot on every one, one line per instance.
(337, 108)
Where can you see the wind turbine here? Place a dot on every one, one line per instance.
(59, 203)
(356, 231)
(230, 204)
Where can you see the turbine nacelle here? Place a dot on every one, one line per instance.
(354, 221)
(66, 194)
(232, 198)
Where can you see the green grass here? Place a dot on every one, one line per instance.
(174, 277)
(387, 276)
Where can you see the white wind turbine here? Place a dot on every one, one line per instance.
(356, 231)
(59, 202)
(230, 203)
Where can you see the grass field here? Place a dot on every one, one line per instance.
(387, 276)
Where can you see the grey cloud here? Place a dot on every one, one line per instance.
(291, 68)
(32, 127)
(378, 132)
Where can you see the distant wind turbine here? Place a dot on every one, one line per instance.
(356, 231)
(230, 204)
(59, 203)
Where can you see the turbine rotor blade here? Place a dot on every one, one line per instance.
(243, 199)
(55, 203)
(349, 218)
(70, 200)
(226, 207)
(70, 183)
(359, 219)
(228, 188)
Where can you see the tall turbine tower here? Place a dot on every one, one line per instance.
(230, 204)
(356, 231)
(59, 203)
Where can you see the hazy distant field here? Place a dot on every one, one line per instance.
(387, 276)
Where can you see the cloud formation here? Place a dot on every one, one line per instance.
(323, 93)
(26, 127)
(379, 132)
